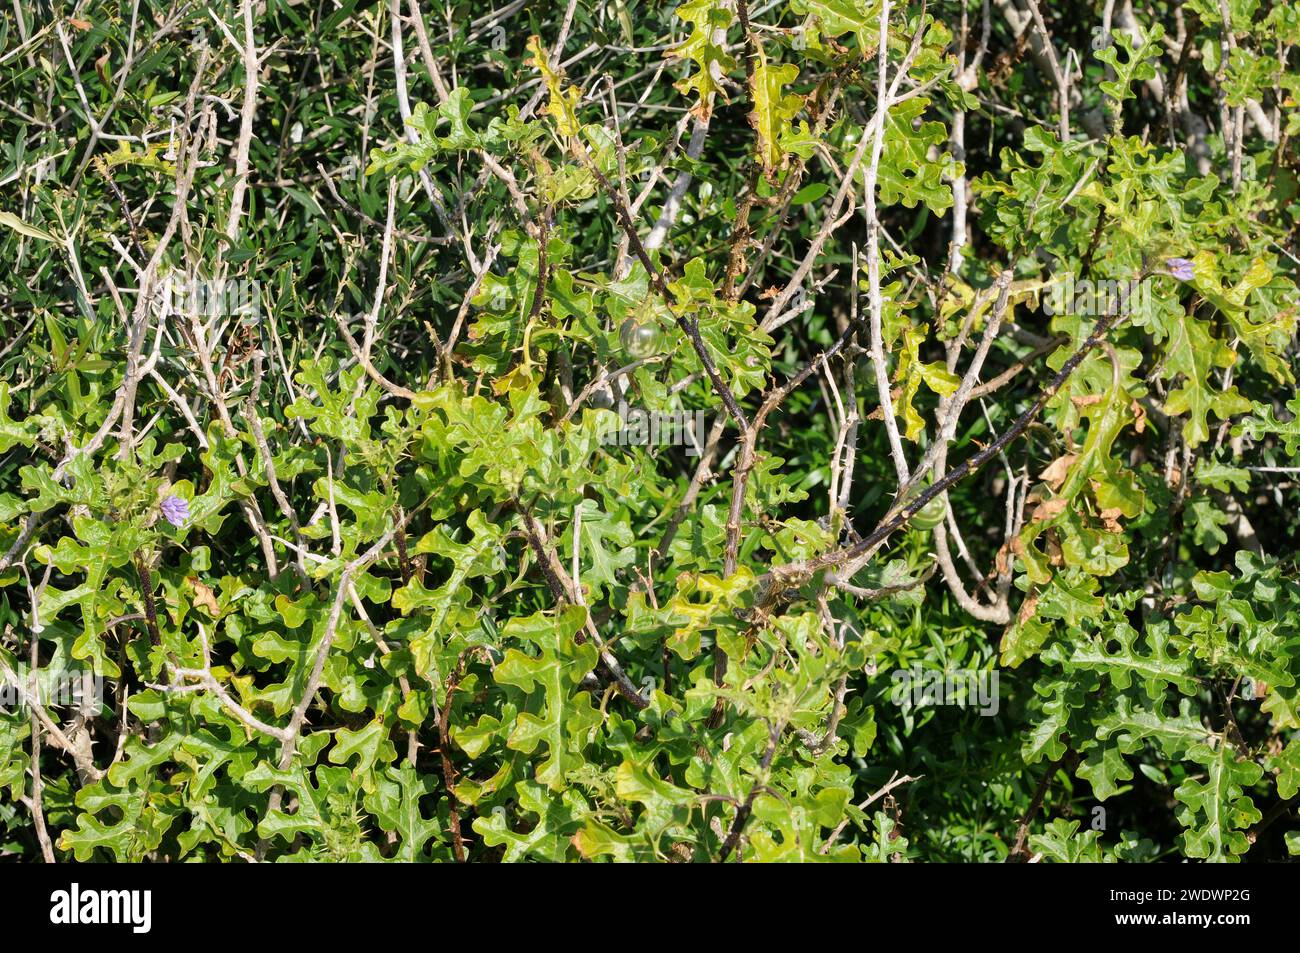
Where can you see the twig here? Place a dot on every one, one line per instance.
(689, 326)
(248, 53)
(900, 517)
(1018, 849)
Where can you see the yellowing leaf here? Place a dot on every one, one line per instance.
(913, 372)
(563, 101)
(772, 111)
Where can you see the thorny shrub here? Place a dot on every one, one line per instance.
(801, 430)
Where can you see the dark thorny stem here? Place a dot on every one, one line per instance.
(1018, 849)
(146, 588)
(403, 559)
(971, 464)
(543, 266)
(448, 769)
(103, 169)
(690, 327)
(746, 809)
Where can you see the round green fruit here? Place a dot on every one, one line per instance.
(932, 514)
(640, 340)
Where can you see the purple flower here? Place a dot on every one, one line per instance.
(175, 510)
(1181, 268)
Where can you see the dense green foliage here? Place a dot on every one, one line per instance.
(349, 383)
